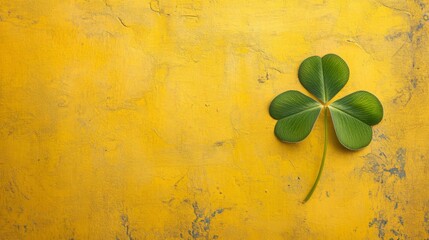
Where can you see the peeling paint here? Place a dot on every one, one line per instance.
(126, 225)
(379, 224)
(378, 164)
(202, 222)
(426, 222)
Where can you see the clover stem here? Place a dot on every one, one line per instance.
(323, 158)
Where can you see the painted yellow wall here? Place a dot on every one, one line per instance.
(149, 120)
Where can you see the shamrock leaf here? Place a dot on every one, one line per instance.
(352, 115)
(296, 113)
(323, 77)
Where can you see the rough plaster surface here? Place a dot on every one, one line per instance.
(149, 120)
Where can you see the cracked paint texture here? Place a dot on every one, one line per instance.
(149, 120)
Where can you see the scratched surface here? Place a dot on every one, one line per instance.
(149, 120)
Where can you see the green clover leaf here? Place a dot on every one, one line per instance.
(352, 115)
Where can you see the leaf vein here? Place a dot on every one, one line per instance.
(306, 110)
(348, 114)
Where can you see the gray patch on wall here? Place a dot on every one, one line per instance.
(201, 223)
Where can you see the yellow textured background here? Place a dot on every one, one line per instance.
(149, 120)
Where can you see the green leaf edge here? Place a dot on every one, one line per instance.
(270, 108)
(324, 100)
(375, 97)
(344, 145)
(312, 127)
(372, 133)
